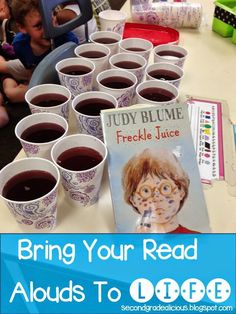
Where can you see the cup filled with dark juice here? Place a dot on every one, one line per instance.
(98, 54)
(171, 53)
(76, 74)
(29, 187)
(53, 98)
(156, 92)
(118, 83)
(87, 107)
(109, 39)
(165, 71)
(131, 62)
(80, 159)
(38, 132)
(139, 46)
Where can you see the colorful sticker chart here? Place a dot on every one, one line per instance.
(206, 125)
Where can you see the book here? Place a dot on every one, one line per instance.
(153, 172)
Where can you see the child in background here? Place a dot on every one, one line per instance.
(30, 45)
(30, 48)
(68, 12)
(4, 17)
(13, 76)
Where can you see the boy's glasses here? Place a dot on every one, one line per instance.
(165, 188)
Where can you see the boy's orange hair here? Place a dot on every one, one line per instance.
(163, 164)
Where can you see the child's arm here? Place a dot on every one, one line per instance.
(3, 66)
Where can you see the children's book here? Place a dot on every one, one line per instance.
(153, 172)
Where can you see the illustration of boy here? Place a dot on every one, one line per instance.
(156, 186)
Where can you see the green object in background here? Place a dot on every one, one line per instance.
(222, 28)
(234, 37)
(224, 21)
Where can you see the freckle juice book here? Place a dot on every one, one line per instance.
(154, 177)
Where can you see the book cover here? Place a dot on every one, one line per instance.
(154, 177)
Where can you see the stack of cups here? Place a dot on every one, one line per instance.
(112, 20)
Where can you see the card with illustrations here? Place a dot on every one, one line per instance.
(153, 171)
(207, 130)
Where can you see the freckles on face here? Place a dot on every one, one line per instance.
(160, 197)
(141, 204)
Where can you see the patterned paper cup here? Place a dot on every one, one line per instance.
(29, 187)
(139, 46)
(133, 63)
(80, 159)
(155, 92)
(76, 74)
(112, 20)
(49, 98)
(118, 83)
(98, 54)
(164, 71)
(38, 132)
(107, 38)
(170, 53)
(87, 107)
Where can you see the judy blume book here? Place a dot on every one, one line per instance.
(153, 173)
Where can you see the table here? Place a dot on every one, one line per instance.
(209, 73)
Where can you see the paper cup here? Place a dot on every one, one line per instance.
(81, 184)
(170, 53)
(76, 74)
(112, 20)
(164, 71)
(133, 63)
(118, 83)
(52, 98)
(108, 38)
(38, 132)
(29, 187)
(139, 46)
(87, 107)
(98, 54)
(155, 92)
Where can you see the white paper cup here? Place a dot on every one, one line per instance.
(164, 71)
(139, 46)
(98, 54)
(49, 92)
(40, 124)
(40, 213)
(81, 186)
(87, 116)
(77, 83)
(112, 20)
(133, 63)
(164, 93)
(124, 95)
(108, 38)
(170, 53)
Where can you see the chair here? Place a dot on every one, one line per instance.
(45, 71)
(47, 7)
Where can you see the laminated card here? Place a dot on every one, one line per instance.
(153, 172)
